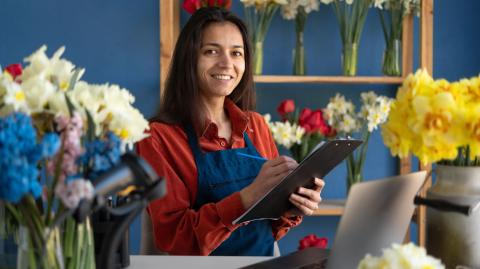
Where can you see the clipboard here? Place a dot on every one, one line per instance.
(321, 160)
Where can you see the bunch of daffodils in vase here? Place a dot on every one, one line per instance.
(299, 132)
(258, 15)
(392, 14)
(437, 121)
(341, 115)
(57, 133)
(298, 10)
(351, 15)
(408, 256)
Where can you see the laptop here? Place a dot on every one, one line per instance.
(377, 214)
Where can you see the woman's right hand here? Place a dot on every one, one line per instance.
(270, 175)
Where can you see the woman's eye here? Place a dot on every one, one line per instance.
(237, 53)
(213, 52)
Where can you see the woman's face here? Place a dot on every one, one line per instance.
(221, 60)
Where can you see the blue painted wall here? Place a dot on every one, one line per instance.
(117, 41)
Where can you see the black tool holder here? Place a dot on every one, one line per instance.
(132, 171)
(114, 245)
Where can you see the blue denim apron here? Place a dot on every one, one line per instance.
(221, 173)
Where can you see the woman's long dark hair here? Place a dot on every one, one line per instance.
(181, 98)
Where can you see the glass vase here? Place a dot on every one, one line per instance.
(354, 175)
(392, 56)
(68, 246)
(349, 59)
(299, 65)
(258, 58)
(40, 250)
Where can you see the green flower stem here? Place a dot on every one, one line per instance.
(355, 162)
(14, 212)
(258, 24)
(258, 58)
(69, 234)
(90, 258)
(393, 36)
(56, 176)
(363, 152)
(299, 65)
(349, 57)
(391, 59)
(299, 57)
(351, 19)
(34, 232)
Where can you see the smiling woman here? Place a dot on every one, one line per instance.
(205, 120)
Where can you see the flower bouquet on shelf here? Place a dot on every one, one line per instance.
(299, 10)
(299, 132)
(56, 134)
(313, 240)
(407, 256)
(258, 15)
(341, 115)
(392, 13)
(351, 15)
(191, 6)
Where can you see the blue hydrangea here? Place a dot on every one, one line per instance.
(100, 155)
(20, 154)
(50, 144)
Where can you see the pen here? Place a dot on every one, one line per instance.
(251, 156)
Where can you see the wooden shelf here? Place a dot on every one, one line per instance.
(330, 208)
(328, 79)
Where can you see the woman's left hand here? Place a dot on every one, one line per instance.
(306, 200)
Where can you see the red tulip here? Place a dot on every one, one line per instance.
(312, 240)
(285, 107)
(14, 70)
(191, 6)
(220, 3)
(312, 121)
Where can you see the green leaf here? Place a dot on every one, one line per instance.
(91, 126)
(73, 79)
(71, 107)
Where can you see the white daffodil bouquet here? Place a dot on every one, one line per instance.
(258, 15)
(57, 133)
(341, 115)
(298, 10)
(408, 256)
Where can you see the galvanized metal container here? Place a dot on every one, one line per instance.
(451, 236)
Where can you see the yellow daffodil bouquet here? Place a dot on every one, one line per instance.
(436, 120)
(408, 256)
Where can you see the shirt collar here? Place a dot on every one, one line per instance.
(238, 118)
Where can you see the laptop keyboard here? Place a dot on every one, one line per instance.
(322, 264)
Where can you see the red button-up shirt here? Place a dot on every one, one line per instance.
(178, 228)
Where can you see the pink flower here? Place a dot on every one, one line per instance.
(71, 133)
(74, 191)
